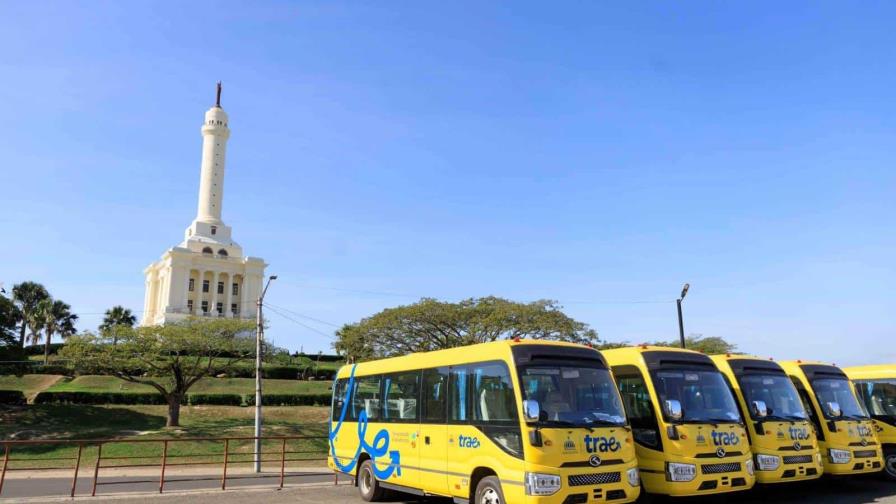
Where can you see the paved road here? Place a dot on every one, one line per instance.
(828, 490)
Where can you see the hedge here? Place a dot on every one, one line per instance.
(80, 397)
(191, 399)
(215, 399)
(21, 368)
(290, 399)
(10, 397)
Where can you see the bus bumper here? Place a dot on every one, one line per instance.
(588, 485)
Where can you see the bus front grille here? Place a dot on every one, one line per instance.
(798, 459)
(720, 468)
(865, 453)
(594, 479)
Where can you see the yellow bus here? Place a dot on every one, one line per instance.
(508, 421)
(782, 440)
(845, 432)
(876, 387)
(689, 435)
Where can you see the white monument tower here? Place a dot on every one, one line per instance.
(207, 274)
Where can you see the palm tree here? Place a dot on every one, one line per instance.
(27, 295)
(54, 317)
(115, 317)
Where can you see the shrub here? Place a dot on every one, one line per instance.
(20, 368)
(80, 397)
(279, 372)
(11, 397)
(39, 349)
(290, 399)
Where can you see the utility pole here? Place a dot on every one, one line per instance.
(259, 337)
(684, 292)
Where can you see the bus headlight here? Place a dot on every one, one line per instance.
(749, 465)
(680, 472)
(634, 477)
(767, 462)
(839, 456)
(542, 484)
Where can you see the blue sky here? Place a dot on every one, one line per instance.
(597, 154)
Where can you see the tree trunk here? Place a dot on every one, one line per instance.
(22, 331)
(47, 348)
(173, 411)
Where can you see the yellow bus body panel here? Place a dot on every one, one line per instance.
(854, 436)
(694, 445)
(448, 465)
(779, 438)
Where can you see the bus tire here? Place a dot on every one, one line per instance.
(890, 463)
(488, 491)
(368, 486)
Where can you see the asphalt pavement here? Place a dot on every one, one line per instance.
(319, 489)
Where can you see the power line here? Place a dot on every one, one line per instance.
(306, 326)
(304, 316)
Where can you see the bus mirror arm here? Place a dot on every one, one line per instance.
(535, 437)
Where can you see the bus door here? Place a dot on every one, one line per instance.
(432, 441)
(401, 414)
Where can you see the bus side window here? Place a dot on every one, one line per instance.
(400, 393)
(338, 398)
(492, 393)
(638, 406)
(435, 390)
(367, 397)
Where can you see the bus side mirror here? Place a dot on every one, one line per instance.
(531, 410)
(672, 409)
(834, 409)
(759, 409)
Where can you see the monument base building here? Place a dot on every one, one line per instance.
(207, 274)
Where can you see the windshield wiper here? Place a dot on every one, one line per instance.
(776, 418)
(605, 423)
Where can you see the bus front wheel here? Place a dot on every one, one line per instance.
(370, 488)
(890, 463)
(488, 491)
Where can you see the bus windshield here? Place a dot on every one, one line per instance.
(777, 392)
(838, 390)
(573, 395)
(703, 394)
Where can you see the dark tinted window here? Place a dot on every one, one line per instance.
(638, 406)
(401, 392)
(435, 391)
(482, 393)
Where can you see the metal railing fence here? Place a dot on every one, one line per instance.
(222, 451)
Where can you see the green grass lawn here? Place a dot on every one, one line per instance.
(61, 421)
(29, 384)
(96, 383)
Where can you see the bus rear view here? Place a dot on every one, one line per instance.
(688, 432)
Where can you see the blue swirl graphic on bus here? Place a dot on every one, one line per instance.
(379, 447)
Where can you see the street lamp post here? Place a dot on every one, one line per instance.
(259, 337)
(684, 292)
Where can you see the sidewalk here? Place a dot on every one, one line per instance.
(42, 485)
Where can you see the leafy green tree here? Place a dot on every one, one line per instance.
(432, 325)
(116, 316)
(54, 317)
(10, 317)
(170, 358)
(26, 296)
(713, 345)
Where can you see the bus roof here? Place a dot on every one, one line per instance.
(493, 350)
(871, 372)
